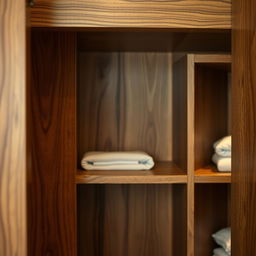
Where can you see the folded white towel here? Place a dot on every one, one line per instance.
(223, 163)
(223, 146)
(223, 238)
(220, 252)
(117, 161)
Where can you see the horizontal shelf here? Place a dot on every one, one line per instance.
(162, 173)
(210, 174)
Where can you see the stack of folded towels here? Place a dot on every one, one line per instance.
(223, 238)
(134, 160)
(222, 156)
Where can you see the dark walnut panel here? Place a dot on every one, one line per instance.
(51, 191)
(243, 129)
(131, 220)
(125, 103)
(132, 13)
(12, 129)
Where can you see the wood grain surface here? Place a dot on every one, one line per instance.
(51, 188)
(12, 129)
(124, 103)
(243, 129)
(132, 13)
(126, 220)
(162, 173)
(210, 174)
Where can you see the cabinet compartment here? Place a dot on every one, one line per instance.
(125, 104)
(123, 99)
(202, 100)
(212, 213)
(132, 220)
(212, 112)
(211, 109)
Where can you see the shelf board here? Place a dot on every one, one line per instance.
(210, 174)
(162, 173)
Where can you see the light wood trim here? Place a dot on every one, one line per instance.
(132, 14)
(212, 58)
(210, 174)
(162, 173)
(190, 153)
(12, 129)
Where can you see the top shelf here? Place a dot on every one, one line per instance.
(184, 14)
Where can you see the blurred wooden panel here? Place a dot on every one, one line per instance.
(125, 103)
(132, 13)
(52, 116)
(243, 129)
(12, 129)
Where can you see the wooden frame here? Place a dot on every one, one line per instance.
(108, 79)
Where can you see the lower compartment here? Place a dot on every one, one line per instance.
(212, 213)
(132, 220)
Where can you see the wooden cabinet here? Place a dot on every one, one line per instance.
(105, 96)
(125, 75)
(141, 14)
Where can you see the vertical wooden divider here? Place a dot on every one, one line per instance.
(183, 136)
(52, 145)
(190, 153)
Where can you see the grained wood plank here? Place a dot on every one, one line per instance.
(243, 129)
(125, 103)
(210, 174)
(116, 220)
(51, 191)
(12, 129)
(132, 14)
(162, 173)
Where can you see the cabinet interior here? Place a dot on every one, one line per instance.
(124, 90)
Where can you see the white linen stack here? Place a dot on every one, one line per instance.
(222, 156)
(134, 160)
(222, 238)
